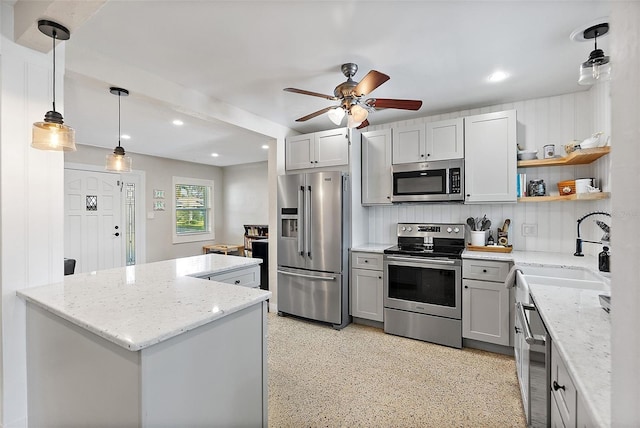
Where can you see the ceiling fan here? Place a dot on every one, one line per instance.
(351, 96)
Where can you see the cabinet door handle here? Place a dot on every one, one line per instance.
(237, 281)
(366, 261)
(466, 286)
(421, 156)
(557, 387)
(484, 271)
(379, 277)
(516, 329)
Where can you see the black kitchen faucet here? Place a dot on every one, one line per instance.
(579, 240)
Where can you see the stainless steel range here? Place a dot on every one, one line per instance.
(423, 283)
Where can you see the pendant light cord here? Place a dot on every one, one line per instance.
(119, 95)
(54, 69)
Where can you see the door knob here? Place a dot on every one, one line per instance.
(116, 234)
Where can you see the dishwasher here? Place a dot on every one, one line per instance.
(532, 348)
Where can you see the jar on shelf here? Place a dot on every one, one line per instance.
(537, 187)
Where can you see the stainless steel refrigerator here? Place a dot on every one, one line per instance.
(313, 242)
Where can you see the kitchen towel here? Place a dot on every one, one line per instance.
(511, 277)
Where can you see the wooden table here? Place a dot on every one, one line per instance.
(223, 248)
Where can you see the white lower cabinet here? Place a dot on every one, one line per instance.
(366, 286)
(247, 277)
(563, 391)
(485, 301)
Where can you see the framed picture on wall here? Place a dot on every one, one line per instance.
(158, 194)
(158, 205)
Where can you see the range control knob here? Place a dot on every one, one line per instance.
(404, 228)
(456, 230)
(449, 230)
(409, 229)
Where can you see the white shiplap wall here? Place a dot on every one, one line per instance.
(551, 120)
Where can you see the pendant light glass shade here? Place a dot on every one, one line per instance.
(52, 134)
(118, 161)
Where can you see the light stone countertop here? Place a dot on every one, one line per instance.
(371, 248)
(139, 306)
(581, 331)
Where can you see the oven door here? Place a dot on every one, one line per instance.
(428, 286)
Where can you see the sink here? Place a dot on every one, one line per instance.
(558, 272)
(564, 277)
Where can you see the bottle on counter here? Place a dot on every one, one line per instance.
(603, 260)
(490, 240)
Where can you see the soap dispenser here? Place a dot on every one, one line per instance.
(603, 260)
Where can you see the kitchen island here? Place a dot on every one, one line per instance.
(148, 345)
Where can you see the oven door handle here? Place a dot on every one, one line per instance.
(422, 259)
(529, 337)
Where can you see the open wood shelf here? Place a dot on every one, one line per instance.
(579, 157)
(574, 197)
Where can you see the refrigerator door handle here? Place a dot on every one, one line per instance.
(301, 221)
(323, 278)
(309, 220)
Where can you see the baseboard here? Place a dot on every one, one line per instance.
(485, 346)
(370, 323)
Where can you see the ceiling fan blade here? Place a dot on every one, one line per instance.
(313, 94)
(363, 124)
(392, 103)
(314, 114)
(371, 81)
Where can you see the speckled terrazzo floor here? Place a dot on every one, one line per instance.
(361, 377)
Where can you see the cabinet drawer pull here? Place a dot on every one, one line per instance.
(557, 387)
(366, 261)
(237, 281)
(484, 271)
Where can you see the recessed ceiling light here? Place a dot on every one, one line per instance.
(265, 146)
(178, 122)
(498, 76)
(125, 137)
(215, 155)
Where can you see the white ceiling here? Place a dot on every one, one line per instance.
(244, 53)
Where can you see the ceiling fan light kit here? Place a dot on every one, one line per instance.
(52, 134)
(350, 94)
(597, 67)
(118, 161)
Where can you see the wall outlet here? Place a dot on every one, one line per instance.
(529, 229)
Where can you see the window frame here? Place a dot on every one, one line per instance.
(193, 236)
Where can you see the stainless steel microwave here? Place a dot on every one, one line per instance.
(428, 181)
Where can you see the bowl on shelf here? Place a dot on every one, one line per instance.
(527, 154)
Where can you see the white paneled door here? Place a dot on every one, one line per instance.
(93, 232)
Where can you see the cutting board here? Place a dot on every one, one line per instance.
(490, 248)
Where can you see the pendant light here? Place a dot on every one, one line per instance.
(53, 134)
(597, 66)
(118, 161)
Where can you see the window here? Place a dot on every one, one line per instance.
(193, 210)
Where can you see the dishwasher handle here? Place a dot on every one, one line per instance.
(529, 337)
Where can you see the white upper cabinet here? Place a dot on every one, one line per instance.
(409, 144)
(445, 139)
(299, 152)
(376, 167)
(316, 150)
(490, 157)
